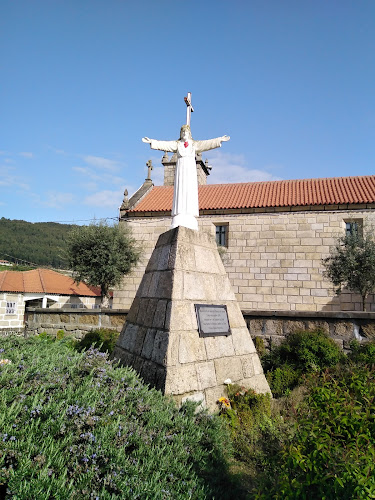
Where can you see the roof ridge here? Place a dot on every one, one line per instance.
(2, 277)
(41, 279)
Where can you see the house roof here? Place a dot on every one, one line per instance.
(44, 281)
(288, 193)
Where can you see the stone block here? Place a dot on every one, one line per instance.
(193, 288)
(181, 316)
(242, 341)
(144, 285)
(258, 369)
(368, 331)
(139, 339)
(247, 366)
(236, 319)
(343, 329)
(153, 262)
(173, 348)
(181, 379)
(318, 325)
(160, 313)
(273, 327)
(258, 383)
(256, 326)
(230, 367)
(148, 344)
(88, 319)
(159, 352)
(206, 375)
(219, 347)
(142, 311)
(125, 358)
(163, 258)
(212, 396)
(184, 257)
(164, 286)
(127, 338)
(293, 326)
(191, 347)
(149, 316)
(148, 374)
(153, 289)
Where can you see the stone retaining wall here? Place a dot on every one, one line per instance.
(271, 326)
(342, 327)
(75, 323)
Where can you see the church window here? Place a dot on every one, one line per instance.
(222, 235)
(353, 227)
(10, 308)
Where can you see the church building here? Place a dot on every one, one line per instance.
(272, 235)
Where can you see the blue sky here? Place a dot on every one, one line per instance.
(82, 81)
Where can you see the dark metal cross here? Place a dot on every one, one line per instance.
(189, 109)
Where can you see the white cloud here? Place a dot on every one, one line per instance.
(100, 162)
(105, 199)
(53, 199)
(91, 177)
(26, 154)
(9, 178)
(231, 168)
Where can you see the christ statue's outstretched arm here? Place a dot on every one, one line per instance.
(170, 146)
(210, 143)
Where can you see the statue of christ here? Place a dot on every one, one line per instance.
(185, 197)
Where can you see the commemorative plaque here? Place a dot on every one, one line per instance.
(212, 320)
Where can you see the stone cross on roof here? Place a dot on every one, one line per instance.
(149, 168)
(189, 108)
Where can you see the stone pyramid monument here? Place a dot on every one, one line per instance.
(185, 333)
(161, 338)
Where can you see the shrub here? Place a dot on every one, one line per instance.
(362, 353)
(332, 454)
(73, 425)
(259, 346)
(102, 338)
(256, 431)
(300, 353)
(283, 379)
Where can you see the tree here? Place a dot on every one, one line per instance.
(351, 265)
(100, 255)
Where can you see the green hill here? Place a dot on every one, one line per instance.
(39, 243)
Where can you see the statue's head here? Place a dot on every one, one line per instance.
(185, 129)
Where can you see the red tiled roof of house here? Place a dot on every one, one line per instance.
(44, 281)
(326, 191)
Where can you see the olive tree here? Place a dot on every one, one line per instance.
(351, 265)
(100, 255)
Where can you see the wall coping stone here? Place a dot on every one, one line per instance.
(312, 314)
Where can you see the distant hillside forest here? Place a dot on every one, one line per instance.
(39, 243)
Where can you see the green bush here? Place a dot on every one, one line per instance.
(256, 430)
(283, 379)
(332, 454)
(259, 346)
(362, 353)
(103, 338)
(73, 425)
(300, 353)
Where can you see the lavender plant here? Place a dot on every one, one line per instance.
(74, 425)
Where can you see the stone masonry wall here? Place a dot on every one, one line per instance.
(75, 323)
(342, 327)
(273, 259)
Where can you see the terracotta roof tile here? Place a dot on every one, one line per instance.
(43, 281)
(327, 191)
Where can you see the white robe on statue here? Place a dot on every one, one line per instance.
(185, 197)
